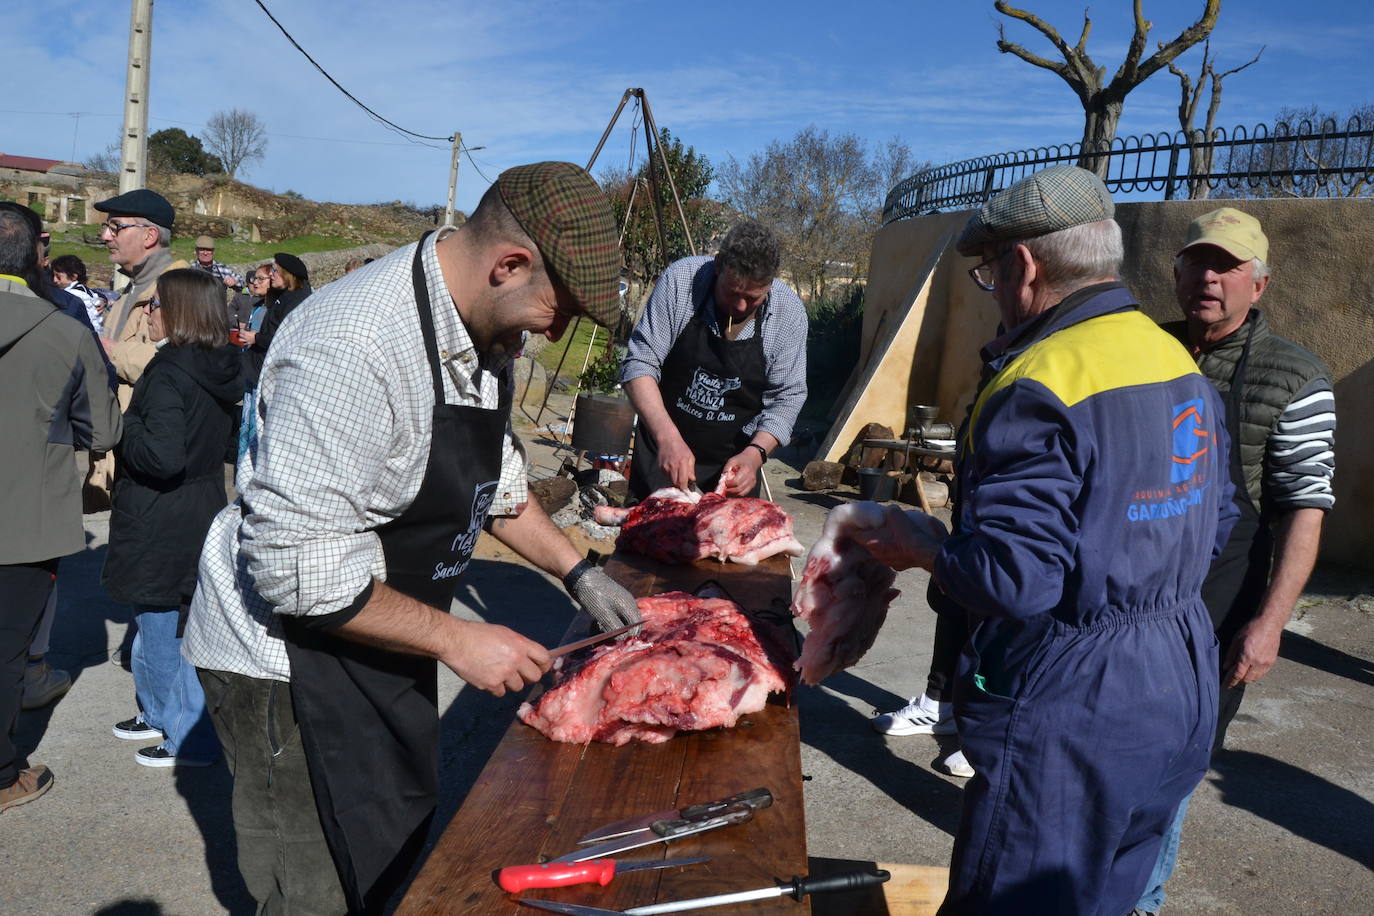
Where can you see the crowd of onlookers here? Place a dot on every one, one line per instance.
(153, 388)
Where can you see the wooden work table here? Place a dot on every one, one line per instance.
(535, 797)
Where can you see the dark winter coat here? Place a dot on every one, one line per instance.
(277, 310)
(169, 478)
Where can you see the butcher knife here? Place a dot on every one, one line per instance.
(797, 888)
(591, 640)
(660, 832)
(754, 798)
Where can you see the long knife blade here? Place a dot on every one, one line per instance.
(649, 837)
(569, 909)
(754, 798)
(590, 641)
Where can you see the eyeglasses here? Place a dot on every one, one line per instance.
(983, 274)
(115, 228)
(153, 304)
(259, 279)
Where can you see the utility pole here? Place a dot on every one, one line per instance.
(133, 156)
(453, 177)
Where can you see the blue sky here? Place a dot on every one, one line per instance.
(529, 79)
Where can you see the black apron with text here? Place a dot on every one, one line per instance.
(368, 718)
(1238, 577)
(712, 388)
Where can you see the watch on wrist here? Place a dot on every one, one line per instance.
(763, 453)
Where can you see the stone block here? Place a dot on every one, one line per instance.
(553, 493)
(822, 475)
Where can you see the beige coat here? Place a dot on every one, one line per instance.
(127, 325)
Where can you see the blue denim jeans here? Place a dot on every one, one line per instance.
(169, 693)
(1152, 901)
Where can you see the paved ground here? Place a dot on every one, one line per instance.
(1283, 824)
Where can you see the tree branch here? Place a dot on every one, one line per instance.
(1007, 47)
(1035, 22)
(1082, 45)
(1252, 60)
(1130, 75)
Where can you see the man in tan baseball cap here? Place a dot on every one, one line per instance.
(205, 260)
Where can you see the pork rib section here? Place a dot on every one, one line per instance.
(673, 526)
(844, 593)
(697, 663)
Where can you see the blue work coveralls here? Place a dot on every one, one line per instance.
(1093, 494)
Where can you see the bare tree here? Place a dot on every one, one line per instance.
(237, 137)
(1102, 101)
(1305, 156)
(1201, 156)
(822, 195)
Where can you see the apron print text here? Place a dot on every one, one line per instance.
(705, 396)
(482, 498)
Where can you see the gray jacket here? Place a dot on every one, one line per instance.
(54, 399)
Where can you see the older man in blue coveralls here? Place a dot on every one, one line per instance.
(1093, 494)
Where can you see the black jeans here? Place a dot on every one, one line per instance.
(282, 853)
(951, 632)
(24, 590)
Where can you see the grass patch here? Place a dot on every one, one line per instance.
(226, 250)
(572, 366)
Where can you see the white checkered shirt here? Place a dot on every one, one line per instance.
(345, 405)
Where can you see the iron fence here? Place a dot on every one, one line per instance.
(1287, 160)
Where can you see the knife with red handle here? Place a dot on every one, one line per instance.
(516, 878)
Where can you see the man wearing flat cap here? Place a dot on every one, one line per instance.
(205, 260)
(384, 446)
(1281, 415)
(138, 234)
(1092, 496)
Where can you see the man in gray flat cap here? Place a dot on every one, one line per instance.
(1093, 492)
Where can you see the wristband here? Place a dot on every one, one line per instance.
(577, 572)
(763, 453)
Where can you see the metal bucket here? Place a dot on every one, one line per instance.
(602, 424)
(876, 484)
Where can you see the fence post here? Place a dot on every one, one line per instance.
(987, 183)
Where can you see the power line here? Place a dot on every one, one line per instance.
(467, 152)
(351, 97)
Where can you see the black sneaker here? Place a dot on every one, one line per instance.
(136, 729)
(159, 756)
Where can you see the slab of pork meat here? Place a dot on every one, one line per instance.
(844, 593)
(697, 663)
(673, 526)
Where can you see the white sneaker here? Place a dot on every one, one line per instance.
(956, 764)
(922, 716)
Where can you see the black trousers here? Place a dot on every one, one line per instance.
(24, 590)
(282, 852)
(951, 632)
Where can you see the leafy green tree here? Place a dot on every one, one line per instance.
(174, 150)
(633, 192)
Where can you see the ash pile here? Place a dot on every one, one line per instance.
(571, 498)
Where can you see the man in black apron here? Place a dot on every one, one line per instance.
(336, 770)
(1280, 413)
(716, 368)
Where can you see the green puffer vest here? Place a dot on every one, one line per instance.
(1278, 369)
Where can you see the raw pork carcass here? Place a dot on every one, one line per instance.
(697, 663)
(844, 593)
(674, 526)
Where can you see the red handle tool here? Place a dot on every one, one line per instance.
(516, 878)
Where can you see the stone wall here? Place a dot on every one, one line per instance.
(1322, 297)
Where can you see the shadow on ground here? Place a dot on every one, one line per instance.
(845, 735)
(1300, 802)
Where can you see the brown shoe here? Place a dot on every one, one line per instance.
(31, 783)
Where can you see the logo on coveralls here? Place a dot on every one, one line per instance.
(705, 397)
(482, 497)
(1190, 441)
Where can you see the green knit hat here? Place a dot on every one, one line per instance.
(563, 211)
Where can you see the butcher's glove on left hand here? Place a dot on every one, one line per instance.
(610, 605)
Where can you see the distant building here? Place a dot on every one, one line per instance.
(59, 190)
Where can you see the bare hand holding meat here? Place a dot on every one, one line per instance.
(846, 587)
(738, 476)
(698, 663)
(673, 526)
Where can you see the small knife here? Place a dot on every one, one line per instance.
(754, 798)
(671, 830)
(797, 888)
(591, 640)
(517, 878)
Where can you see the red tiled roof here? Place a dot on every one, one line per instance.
(27, 163)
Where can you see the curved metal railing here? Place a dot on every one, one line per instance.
(1287, 160)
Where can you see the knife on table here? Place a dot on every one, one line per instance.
(517, 878)
(754, 798)
(797, 888)
(591, 640)
(660, 832)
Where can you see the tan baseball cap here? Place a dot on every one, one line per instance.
(205, 242)
(1238, 234)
